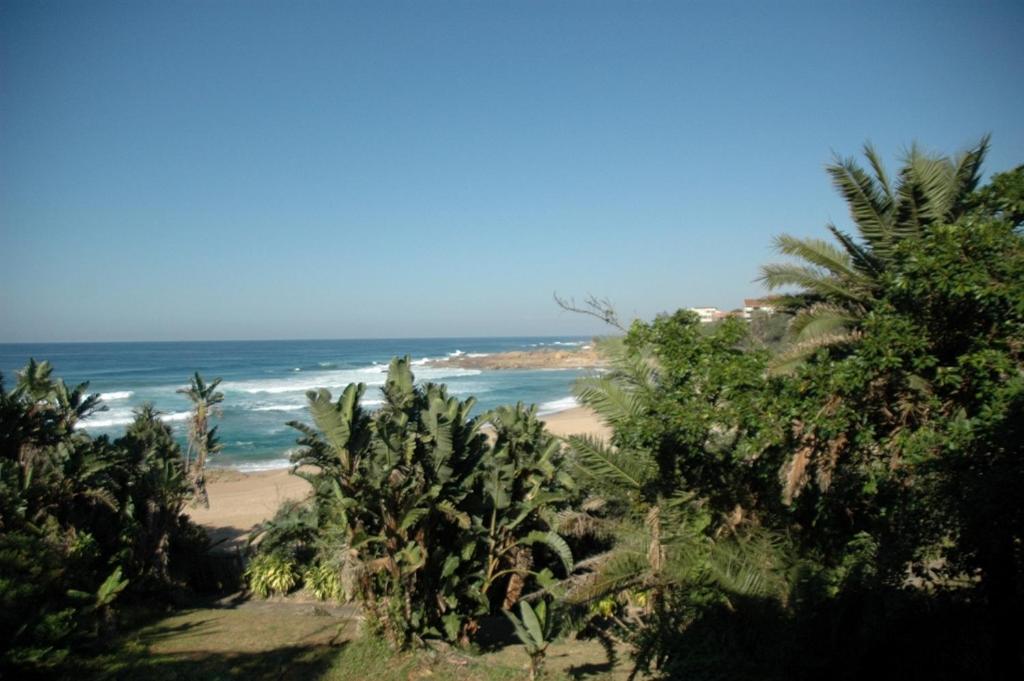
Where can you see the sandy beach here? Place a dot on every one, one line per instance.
(576, 421)
(239, 501)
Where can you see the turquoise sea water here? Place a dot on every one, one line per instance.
(265, 381)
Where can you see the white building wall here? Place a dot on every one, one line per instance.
(706, 314)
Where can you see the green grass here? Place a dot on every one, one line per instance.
(293, 640)
(370, 658)
(250, 640)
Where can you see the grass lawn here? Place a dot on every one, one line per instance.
(287, 639)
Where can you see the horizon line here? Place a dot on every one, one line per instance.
(294, 340)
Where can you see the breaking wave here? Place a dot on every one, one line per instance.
(116, 395)
(555, 406)
(122, 417)
(337, 380)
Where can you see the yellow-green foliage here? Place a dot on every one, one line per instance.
(269, 574)
(324, 582)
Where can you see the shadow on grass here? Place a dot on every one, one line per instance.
(287, 662)
(575, 658)
(213, 638)
(589, 669)
(495, 633)
(156, 634)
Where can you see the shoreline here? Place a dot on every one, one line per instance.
(240, 500)
(547, 358)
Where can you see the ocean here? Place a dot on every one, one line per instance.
(264, 382)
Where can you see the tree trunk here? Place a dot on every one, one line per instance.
(522, 560)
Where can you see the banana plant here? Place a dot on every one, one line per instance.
(536, 627)
(434, 526)
(522, 479)
(100, 603)
(393, 483)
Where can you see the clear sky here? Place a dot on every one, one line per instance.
(212, 170)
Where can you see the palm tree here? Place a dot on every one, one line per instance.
(202, 440)
(838, 284)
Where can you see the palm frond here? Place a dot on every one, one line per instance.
(967, 173)
(610, 572)
(929, 189)
(819, 319)
(810, 279)
(926, 192)
(863, 259)
(820, 253)
(629, 367)
(608, 465)
(572, 523)
(881, 177)
(870, 209)
(788, 361)
(751, 565)
(610, 398)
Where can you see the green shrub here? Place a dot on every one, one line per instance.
(271, 574)
(324, 582)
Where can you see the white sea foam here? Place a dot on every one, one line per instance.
(478, 354)
(256, 466)
(122, 417)
(116, 395)
(338, 380)
(555, 406)
(278, 407)
(107, 419)
(564, 343)
(301, 384)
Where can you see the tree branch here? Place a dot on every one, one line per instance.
(601, 308)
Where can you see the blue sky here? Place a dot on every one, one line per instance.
(213, 170)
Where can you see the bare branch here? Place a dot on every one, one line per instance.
(601, 308)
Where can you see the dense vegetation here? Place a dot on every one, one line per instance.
(418, 513)
(767, 507)
(850, 506)
(831, 491)
(83, 521)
